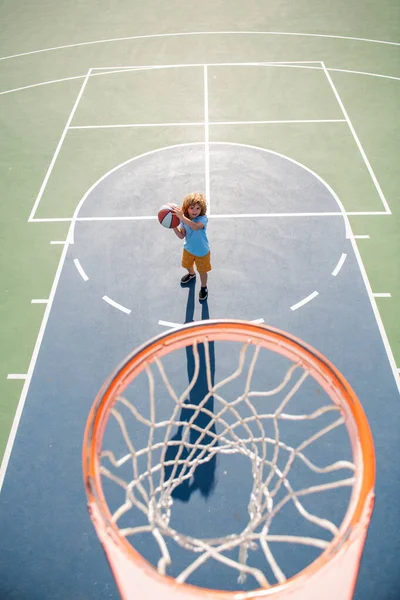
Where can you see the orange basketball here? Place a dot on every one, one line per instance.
(167, 218)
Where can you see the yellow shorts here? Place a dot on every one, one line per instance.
(203, 263)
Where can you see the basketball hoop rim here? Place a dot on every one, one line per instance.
(286, 344)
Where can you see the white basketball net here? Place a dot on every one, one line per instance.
(150, 491)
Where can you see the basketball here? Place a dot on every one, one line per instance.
(167, 218)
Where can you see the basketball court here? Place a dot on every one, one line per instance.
(288, 184)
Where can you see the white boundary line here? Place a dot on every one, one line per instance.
(133, 218)
(39, 301)
(127, 125)
(267, 215)
(26, 87)
(173, 325)
(378, 317)
(368, 212)
(207, 141)
(288, 64)
(60, 143)
(277, 122)
(14, 376)
(355, 136)
(57, 242)
(339, 265)
(363, 73)
(206, 123)
(361, 237)
(31, 368)
(382, 295)
(45, 220)
(182, 34)
(221, 216)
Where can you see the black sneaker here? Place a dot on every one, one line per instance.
(203, 294)
(188, 277)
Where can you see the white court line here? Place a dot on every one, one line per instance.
(294, 64)
(51, 220)
(268, 215)
(304, 301)
(39, 301)
(227, 216)
(278, 122)
(133, 218)
(361, 237)
(382, 295)
(174, 325)
(26, 87)
(368, 213)
(80, 269)
(313, 65)
(206, 123)
(207, 141)
(355, 136)
(190, 33)
(117, 305)
(122, 125)
(288, 64)
(60, 242)
(60, 143)
(15, 376)
(169, 324)
(364, 73)
(339, 265)
(301, 64)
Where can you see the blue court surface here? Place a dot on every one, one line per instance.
(282, 253)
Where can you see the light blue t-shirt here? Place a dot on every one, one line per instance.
(196, 241)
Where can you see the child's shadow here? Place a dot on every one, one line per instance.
(203, 477)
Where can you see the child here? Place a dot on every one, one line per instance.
(196, 249)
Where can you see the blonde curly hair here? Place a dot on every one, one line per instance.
(190, 200)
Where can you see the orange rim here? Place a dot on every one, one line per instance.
(323, 371)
